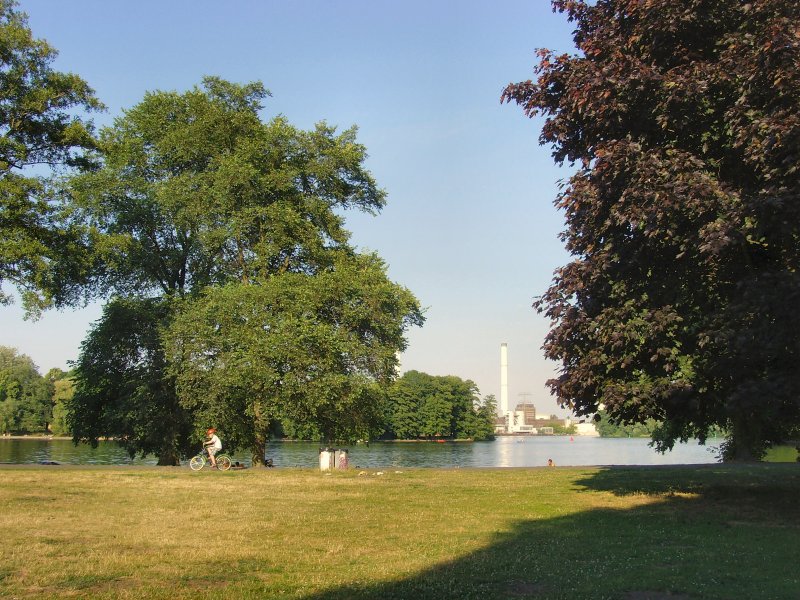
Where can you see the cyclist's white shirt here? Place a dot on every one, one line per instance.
(216, 444)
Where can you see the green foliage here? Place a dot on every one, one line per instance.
(201, 214)
(606, 427)
(38, 128)
(561, 429)
(682, 218)
(194, 190)
(311, 351)
(484, 418)
(62, 388)
(24, 395)
(122, 387)
(425, 406)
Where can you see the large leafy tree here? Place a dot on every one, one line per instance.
(683, 217)
(316, 351)
(40, 252)
(194, 191)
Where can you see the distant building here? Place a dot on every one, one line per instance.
(528, 411)
(518, 422)
(523, 420)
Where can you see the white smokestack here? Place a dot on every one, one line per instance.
(504, 379)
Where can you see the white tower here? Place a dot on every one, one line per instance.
(504, 382)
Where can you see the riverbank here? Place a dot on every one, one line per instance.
(515, 451)
(35, 436)
(713, 531)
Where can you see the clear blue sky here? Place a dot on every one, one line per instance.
(469, 227)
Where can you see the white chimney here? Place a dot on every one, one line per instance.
(504, 379)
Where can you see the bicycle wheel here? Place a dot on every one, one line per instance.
(223, 462)
(197, 462)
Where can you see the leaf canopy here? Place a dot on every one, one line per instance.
(195, 190)
(682, 218)
(40, 134)
(309, 350)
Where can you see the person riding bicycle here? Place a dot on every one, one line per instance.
(212, 445)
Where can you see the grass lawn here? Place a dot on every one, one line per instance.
(629, 532)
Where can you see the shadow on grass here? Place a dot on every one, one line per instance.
(707, 532)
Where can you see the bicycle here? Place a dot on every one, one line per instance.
(201, 460)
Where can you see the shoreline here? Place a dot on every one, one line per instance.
(43, 437)
(37, 436)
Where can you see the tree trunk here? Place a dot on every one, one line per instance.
(744, 443)
(259, 451)
(168, 458)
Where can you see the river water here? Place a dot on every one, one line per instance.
(505, 451)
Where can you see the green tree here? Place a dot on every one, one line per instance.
(24, 395)
(435, 412)
(193, 190)
(682, 219)
(61, 387)
(313, 351)
(39, 133)
(485, 416)
(403, 411)
(122, 387)
(464, 400)
(607, 428)
(422, 405)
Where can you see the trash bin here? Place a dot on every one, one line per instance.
(327, 459)
(330, 459)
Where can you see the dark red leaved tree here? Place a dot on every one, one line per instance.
(683, 218)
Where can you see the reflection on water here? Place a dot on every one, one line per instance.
(503, 452)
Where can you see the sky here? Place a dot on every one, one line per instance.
(469, 227)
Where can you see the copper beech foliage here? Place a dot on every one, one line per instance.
(683, 218)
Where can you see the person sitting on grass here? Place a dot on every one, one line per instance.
(212, 445)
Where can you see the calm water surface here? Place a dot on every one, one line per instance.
(502, 452)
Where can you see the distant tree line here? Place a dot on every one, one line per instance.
(416, 406)
(560, 429)
(30, 402)
(606, 427)
(428, 406)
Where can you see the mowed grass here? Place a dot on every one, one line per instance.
(631, 533)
